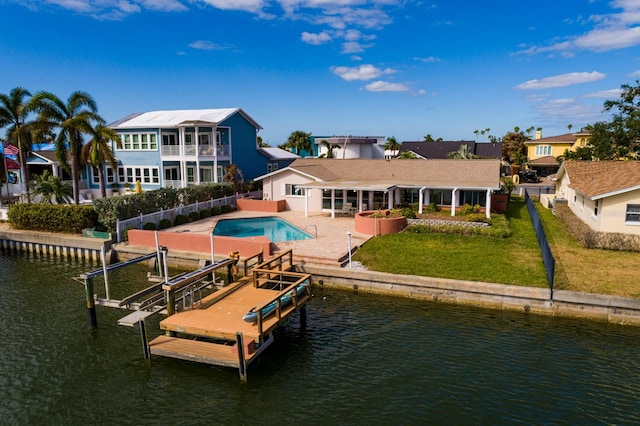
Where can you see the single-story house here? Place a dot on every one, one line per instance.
(603, 194)
(328, 185)
(442, 149)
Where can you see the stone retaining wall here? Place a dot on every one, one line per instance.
(443, 222)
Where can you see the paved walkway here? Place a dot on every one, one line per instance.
(330, 247)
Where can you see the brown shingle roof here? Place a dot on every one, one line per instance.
(597, 178)
(566, 138)
(432, 173)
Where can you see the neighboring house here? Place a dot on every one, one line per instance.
(442, 149)
(185, 147)
(351, 146)
(603, 194)
(542, 153)
(326, 185)
(278, 158)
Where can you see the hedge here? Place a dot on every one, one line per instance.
(70, 219)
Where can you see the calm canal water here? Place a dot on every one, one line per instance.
(362, 360)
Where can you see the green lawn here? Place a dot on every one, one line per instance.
(514, 260)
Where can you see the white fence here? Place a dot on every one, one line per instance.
(139, 221)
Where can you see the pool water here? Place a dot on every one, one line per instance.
(274, 228)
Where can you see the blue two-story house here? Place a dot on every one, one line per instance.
(185, 147)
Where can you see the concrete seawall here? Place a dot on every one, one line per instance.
(619, 310)
(61, 245)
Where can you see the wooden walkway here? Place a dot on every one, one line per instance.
(211, 330)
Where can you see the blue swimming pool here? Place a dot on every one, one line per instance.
(274, 228)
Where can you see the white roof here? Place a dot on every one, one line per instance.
(178, 118)
(279, 153)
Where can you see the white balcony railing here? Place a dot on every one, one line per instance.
(190, 150)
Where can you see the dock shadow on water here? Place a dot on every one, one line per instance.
(363, 359)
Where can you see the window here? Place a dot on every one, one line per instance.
(633, 213)
(133, 174)
(140, 141)
(292, 190)
(169, 139)
(191, 174)
(206, 174)
(272, 167)
(542, 150)
(596, 207)
(95, 178)
(203, 138)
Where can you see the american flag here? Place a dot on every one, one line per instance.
(11, 154)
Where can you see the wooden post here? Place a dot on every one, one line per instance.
(145, 342)
(91, 305)
(242, 363)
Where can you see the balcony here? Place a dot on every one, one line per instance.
(190, 150)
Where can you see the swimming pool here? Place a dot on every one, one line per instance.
(274, 228)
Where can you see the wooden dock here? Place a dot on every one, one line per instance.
(213, 331)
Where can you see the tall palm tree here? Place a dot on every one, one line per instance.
(14, 111)
(98, 151)
(71, 120)
(392, 144)
(300, 141)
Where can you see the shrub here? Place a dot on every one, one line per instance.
(70, 219)
(180, 220)
(227, 208)
(432, 208)
(126, 233)
(193, 216)
(478, 217)
(216, 210)
(149, 226)
(469, 209)
(205, 213)
(164, 224)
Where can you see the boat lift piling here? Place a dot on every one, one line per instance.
(87, 279)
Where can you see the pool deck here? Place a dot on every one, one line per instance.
(329, 248)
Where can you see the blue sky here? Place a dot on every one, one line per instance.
(398, 68)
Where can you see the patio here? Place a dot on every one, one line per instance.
(330, 247)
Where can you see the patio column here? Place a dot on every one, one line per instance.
(214, 139)
(421, 199)
(197, 172)
(307, 191)
(390, 198)
(370, 200)
(359, 200)
(453, 201)
(333, 203)
(488, 205)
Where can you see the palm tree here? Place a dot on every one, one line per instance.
(49, 186)
(407, 155)
(330, 147)
(14, 110)
(392, 144)
(233, 175)
(462, 153)
(98, 151)
(72, 119)
(300, 141)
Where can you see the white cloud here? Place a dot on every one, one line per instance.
(363, 72)
(604, 94)
(205, 45)
(164, 5)
(315, 39)
(385, 86)
(561, 80)
(634, 74)
(254, 6)
(428, 59)
(611, 31)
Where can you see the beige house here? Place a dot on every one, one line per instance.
(603, 194)
(351, 185)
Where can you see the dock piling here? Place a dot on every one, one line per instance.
(242, 362)
(91, 304)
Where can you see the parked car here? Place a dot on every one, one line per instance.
(529, 176)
